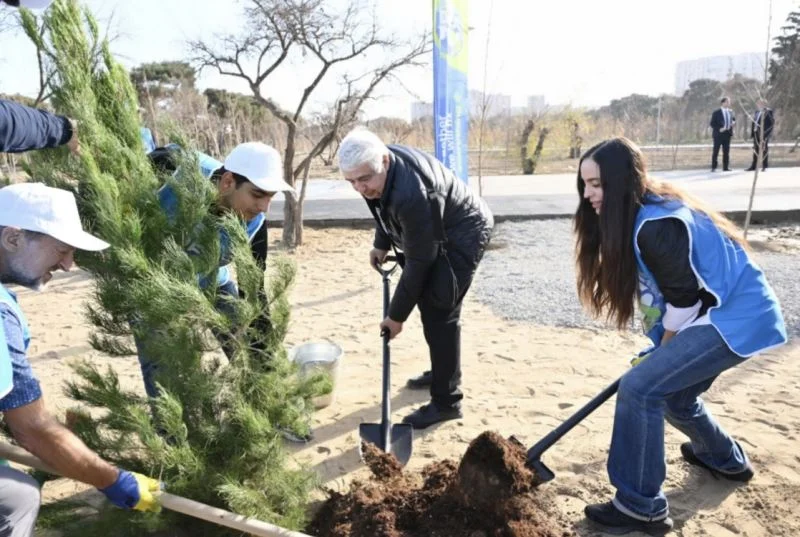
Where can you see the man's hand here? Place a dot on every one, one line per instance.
(134, 491)
(73, 143)
(392, 326)
(377, 257)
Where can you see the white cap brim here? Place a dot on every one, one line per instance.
(81, 240)
(272, 185)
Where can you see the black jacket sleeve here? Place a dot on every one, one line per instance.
(382, 240)
(664, 245)
(420, 249)
(23, 128)
(259, 246)
(716, 120)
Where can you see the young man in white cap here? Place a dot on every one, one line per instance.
(39, 231)
(246, 182)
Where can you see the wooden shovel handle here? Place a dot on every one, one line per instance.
(172, 502)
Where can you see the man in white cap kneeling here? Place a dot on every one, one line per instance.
(40, 229)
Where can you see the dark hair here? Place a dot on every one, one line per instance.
(607, 272)
(165, 160)
(216, 176)
(13, 3)
(723, 100)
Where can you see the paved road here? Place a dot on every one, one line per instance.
(517, 197)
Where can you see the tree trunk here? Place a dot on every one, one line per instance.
(759, 164)
(290, 208)
(537, 153)
(298, 225)
(289, 224)
(523, 147)
(298, 214)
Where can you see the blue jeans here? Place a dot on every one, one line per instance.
(149, 366)
(668, 385)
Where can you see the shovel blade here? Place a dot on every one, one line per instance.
(540, 469)
(534, 463)
(401, 441)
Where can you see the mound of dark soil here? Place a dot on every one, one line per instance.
(489, 494)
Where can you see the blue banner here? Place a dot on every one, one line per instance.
(450, 91)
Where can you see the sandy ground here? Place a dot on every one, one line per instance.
(519, 379)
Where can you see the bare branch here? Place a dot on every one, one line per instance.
(275, 29)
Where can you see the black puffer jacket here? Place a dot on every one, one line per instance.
(405, 211)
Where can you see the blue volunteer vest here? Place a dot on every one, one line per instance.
(169, 203)
(747, 314)
(6, 370)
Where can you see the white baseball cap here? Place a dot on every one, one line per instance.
(52, 211)
(260, 164)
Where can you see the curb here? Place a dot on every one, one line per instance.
(757, 218)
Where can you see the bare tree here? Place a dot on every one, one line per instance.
(759, 147)
(485, 101)
(524, 138)
(35, 28)
(278, 28)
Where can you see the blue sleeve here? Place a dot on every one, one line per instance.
(208, 164)
(26, 387)
(23, 128)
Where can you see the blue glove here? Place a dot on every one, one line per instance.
(134, 491)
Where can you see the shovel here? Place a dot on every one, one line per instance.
(395, 439)
(534, 458)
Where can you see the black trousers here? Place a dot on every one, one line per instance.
(442, 329)
(755, 154)
(722, 140)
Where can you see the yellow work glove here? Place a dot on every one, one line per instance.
(642, 356)
(134, 491)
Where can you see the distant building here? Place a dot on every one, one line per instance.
(496, 104)
(536, 104)
(721, 68)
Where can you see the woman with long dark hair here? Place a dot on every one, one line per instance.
(705, 305)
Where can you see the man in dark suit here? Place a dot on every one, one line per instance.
(722, 122)
(764, 118)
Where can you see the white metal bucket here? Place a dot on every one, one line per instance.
(321, 356)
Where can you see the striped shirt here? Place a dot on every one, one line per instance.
(26, 388)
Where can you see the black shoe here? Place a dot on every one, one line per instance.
(420, 382)
(429, 414)
(295, 438)
(726, 169)
(612, 520)
(713, 169)
(688, 455)
(749, 169)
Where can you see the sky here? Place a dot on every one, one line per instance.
(578, 52)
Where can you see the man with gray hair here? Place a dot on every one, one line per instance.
(39, 231)
(442, 228)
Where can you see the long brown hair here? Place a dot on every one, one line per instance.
(607, 273)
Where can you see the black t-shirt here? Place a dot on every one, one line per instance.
(664, 245)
